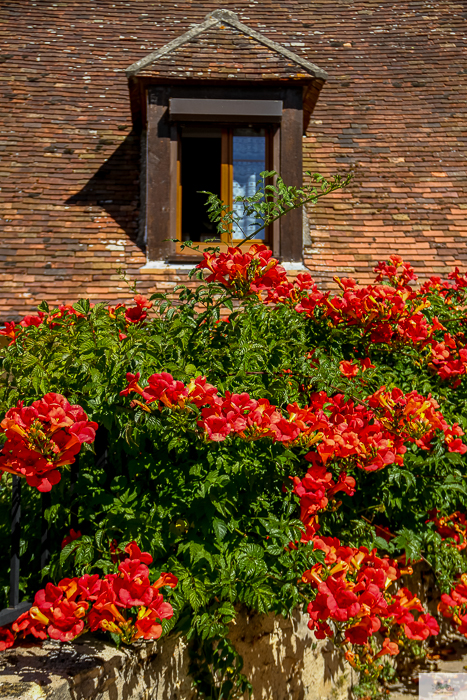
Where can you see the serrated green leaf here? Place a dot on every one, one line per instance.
(220, 528)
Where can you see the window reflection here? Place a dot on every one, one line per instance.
(249, 160)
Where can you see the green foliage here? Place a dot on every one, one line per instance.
(271, 201)
(213, 514)
(216, 514)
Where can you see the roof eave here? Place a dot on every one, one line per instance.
(138, 86)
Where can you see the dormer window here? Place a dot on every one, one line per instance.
(218, 106)
(225, 161)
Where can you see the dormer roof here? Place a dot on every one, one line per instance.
(223, 48)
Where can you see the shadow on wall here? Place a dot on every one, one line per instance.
(115, 187)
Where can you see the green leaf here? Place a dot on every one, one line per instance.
(67, 551)
(410, 542)
(220, 528)
(83, 306)
(196, 594)
(116, 638)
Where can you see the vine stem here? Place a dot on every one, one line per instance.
(316, 195)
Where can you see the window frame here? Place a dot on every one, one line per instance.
(226, 181)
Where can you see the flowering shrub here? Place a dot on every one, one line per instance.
(352, 583)
(123, 314)
(269, 443)
(382, 313)
(353, 595)
(125, 604)
(42, 437)
(453, 605)
(366, 438)
(244, 272)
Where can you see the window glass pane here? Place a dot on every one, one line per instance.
(201, 170)
(249, 160)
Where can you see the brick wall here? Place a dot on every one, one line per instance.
(393, 111)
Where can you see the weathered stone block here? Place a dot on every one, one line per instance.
(282, 661)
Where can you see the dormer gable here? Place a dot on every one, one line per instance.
(222, 49)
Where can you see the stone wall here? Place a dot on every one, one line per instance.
(282, 661)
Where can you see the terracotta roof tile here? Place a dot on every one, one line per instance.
(393, 111)
(222, 46)
(224, 52)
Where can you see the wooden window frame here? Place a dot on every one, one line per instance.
(226, 193)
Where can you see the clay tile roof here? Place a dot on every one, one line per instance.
(222, 47)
